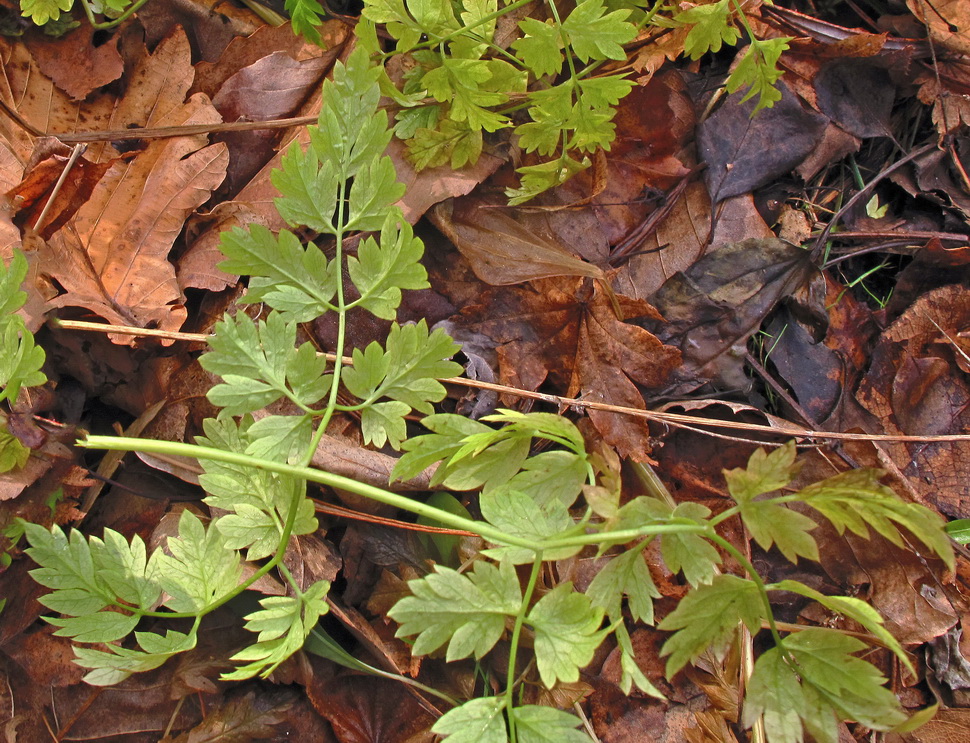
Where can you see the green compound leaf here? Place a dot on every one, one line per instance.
(551, 475)
(475, 721)
(305, 17)
(518, 515)
(467, 611)
(540, 47)
(381, 271)
(567, 630)
(595, 34)
(625, 575)
(200, 567)
(535, 724)
(688, 552)
(708, 617)
(710, 28)
(494, 466)
(20, 359)
(765, 473)
(13, 454)
(834, 685)
(118, 663)
(769, 522)
(856, 500)
(452, 142)
(855, 609)
(259, 365)
(541, 425)
(284, 274)
(352, 133)
(283, 625)
(89, 575)
(308, 184)
(758, 71)
(41, 11)
(406, 372)
(375, 189)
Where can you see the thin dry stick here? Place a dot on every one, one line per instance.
(673, 419)
(75, 154)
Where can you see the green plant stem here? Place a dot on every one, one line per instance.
(341, 309)
(103, 26)
(484, 530)
(514, 642)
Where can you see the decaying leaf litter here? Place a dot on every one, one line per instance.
(654, 281)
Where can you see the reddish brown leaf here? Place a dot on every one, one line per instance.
(915, 386)
(75, 64)
(567, 331)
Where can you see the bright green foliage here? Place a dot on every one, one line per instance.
(406, 372)
(758, 71)
(476, 721)
(536, 724)
(13, 454)
(626, 575)
(857, 501)
(710, 28)
(305, 16)
(814, 679)
(342, 182)
(770, 522)
(466, 611)
(535, 508)
(259, 365)
(567, 628)
(41, 11)
(20, 359)
(708, 616)
(283, 624)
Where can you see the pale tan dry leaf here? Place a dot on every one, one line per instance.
(112, 258)
(501, 251)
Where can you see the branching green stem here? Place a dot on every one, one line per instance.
(514, 642)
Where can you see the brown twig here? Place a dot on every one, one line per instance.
(672, 419)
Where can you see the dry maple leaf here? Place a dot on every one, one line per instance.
(566, 330)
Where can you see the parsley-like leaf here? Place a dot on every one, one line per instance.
(595, 34)
(41, 11)
(518, 515)
(535, 724)
(710, 28)
(708, 617)
(381, 271)
(567, 628)
(856, 500)
(199, 568)
(475, 721)
(283, 625)
(259, 365)
(625, 575)
(284, 274)
(758, 71)
(465, 610)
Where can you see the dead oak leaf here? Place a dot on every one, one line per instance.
(567, 331)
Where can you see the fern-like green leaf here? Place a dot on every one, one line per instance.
(567, 628)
